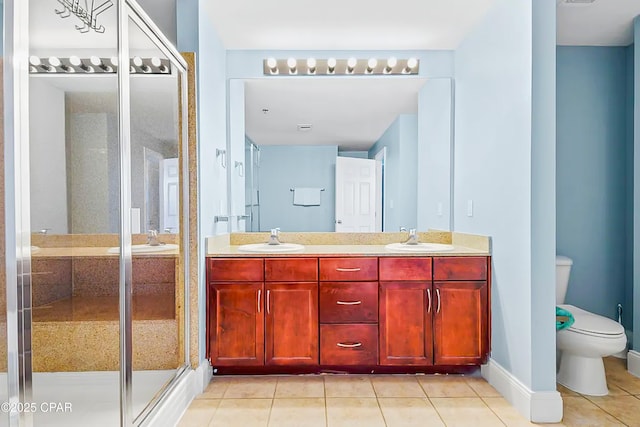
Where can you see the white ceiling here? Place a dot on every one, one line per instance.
(602, 23)
(345, 24)
(351, 113)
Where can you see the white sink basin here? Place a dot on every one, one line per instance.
(35, 249)
(420, 247)
(145, 249)
(265, 248)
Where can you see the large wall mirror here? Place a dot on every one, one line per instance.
(340, 154)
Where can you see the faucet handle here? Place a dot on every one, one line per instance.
(275, 231)
(403, 229)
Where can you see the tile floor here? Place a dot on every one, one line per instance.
(396, 400)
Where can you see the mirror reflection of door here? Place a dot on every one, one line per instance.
(355, 195)
(152, 161)
(169, 199)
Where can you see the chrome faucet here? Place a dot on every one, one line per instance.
(413, 237)
(273, 239)
(152, 238)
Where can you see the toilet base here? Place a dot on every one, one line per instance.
(584, 375)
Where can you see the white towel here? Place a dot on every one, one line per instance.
(306, 196)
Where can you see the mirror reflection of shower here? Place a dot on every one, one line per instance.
(252, 185)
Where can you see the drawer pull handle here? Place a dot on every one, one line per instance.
(429, 298)
(259, 294)
(438, 294)
(349, 302)
(348, 270)
(354, 345)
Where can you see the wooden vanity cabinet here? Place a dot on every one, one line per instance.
(291, 310)
(406, 331)
(461, 310)
(235, 313)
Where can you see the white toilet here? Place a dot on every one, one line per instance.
(585, 343)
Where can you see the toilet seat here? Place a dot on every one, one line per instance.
(593, 325)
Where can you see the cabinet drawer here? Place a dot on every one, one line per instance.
(291, 269)
(342, 302)
(235, 269)
(348, 269)
(348, 344)
(405, 268)
(460, 268)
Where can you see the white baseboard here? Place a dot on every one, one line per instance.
(175, 403)
(633, 363)
(537, 407)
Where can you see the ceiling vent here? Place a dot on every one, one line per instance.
(304, 127)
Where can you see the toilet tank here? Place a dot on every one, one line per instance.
(563, 270)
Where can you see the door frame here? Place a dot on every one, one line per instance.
(381, 158)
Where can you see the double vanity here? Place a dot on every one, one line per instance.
(337, 305)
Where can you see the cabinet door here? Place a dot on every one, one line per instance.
(460, 323)
(292, 323)
(405, 323)
(236, 324)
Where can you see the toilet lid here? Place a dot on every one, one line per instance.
(593, 324)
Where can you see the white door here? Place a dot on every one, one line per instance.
(355, 195)
(169, 196)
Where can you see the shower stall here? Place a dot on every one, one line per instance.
(97, 215)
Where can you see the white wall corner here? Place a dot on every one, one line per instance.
(204, 373)
(536, 406)
(633, 363)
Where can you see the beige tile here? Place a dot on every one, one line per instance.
(304, 386)
(465, 411)
(348, 386)
(579, 411)
(508, 414)
(216, 388)
(397, 386)
(482, 387)
(242, 413)
(409, 412)
(251, 388)
(199, 413)
(565, 391)
(446, 386)
(353, 412)
(624, 408)
(298, 412)
(617, 375)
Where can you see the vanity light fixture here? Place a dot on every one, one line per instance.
(372, 63)
(391, 63)
(311, 66)
(273, 65)
(351, 65)
(334, 67)
(96, 65)
(331, 65)
(292, 63)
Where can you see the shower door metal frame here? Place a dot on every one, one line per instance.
(17, 207)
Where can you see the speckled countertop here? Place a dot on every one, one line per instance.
(92, 252)
(349, 244)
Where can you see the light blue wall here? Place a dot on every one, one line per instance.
(497, 169)
(212, 134)
(434, 184)
(636, 185)
(354, 154)
(629, 311)
(187, 32)
(400, 171)
(592, 174)
(283, 167)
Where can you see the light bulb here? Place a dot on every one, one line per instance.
(351, 63)
(34, 60)
(156, 62)
(137, 61)
(272, 63)
(392, 62)
(75, 61)
(331, 62)
(114, 61)
(95, 61)
(311, 63)
(372, 63)
(54, 61)
(291, 63)
(411, 63)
